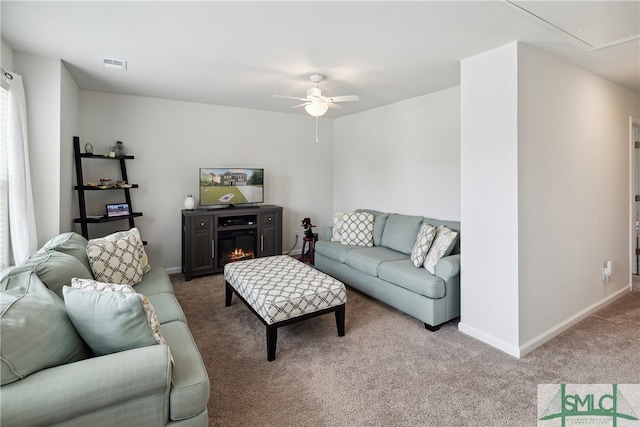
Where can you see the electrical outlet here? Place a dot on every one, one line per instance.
(295, 233)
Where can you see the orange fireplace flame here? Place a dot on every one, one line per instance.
(240, 254)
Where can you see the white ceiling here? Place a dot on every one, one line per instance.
(240, 53)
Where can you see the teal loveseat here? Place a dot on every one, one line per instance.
(50, 375)
(386, 272)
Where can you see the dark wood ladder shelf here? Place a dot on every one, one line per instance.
(84, 220)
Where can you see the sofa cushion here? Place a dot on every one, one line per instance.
(55, 269)
(419, 280)
(442, 246)
(400, 232)
(36, 331)
(167, 307)
(110, 322)
(423, 242)
(189, 380)
(367, 260)
(334, 250)
(336, 231)
(357, 229)
(116, 258)
(156, 281)
(379, 221)
(69, 243)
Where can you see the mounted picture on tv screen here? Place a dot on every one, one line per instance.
(231, 186)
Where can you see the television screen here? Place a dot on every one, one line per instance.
(228, 186)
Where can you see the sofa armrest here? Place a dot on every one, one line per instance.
(448, 267)
(65, 392)
(327, 233)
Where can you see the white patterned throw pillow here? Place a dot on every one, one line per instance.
(442, 244)
(357, 229)
(426, 235)
(336, 233)
(116, 258)
(144, 260)
(94, 285)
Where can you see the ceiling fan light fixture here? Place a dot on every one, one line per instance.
(317, 109)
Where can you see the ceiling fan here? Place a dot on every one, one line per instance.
(317, 104)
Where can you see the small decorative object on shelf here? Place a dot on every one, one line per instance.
(189, 203)
(88, 148)
(119, 149)
(308, 228)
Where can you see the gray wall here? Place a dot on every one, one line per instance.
(545, 195)
(403, 157)
(172, 139)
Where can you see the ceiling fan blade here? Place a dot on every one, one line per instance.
(344, 98)
(291, 97)
(304, 104)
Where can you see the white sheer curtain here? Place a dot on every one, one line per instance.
(20, 215)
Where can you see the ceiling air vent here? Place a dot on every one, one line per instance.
(116, 64)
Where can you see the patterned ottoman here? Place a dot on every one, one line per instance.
(282, 290)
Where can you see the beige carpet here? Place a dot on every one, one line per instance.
(388, 370)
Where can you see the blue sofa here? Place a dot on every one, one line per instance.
(51, 377)
(386, 272)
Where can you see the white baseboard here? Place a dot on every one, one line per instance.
(173, 270)
(489, 339)
(550, 333)
(547, 335)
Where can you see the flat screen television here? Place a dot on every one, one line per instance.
(221, 187)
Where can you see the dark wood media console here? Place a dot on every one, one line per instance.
(213, 238)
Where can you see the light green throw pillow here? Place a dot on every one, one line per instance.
(36, 331)
(111, 321)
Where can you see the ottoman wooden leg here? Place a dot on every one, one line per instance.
(228, 293)
(340, 320)
(272, 339)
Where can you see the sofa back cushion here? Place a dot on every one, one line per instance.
(71, 244)
(400, 232)
(36, 331)
(55, 269)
